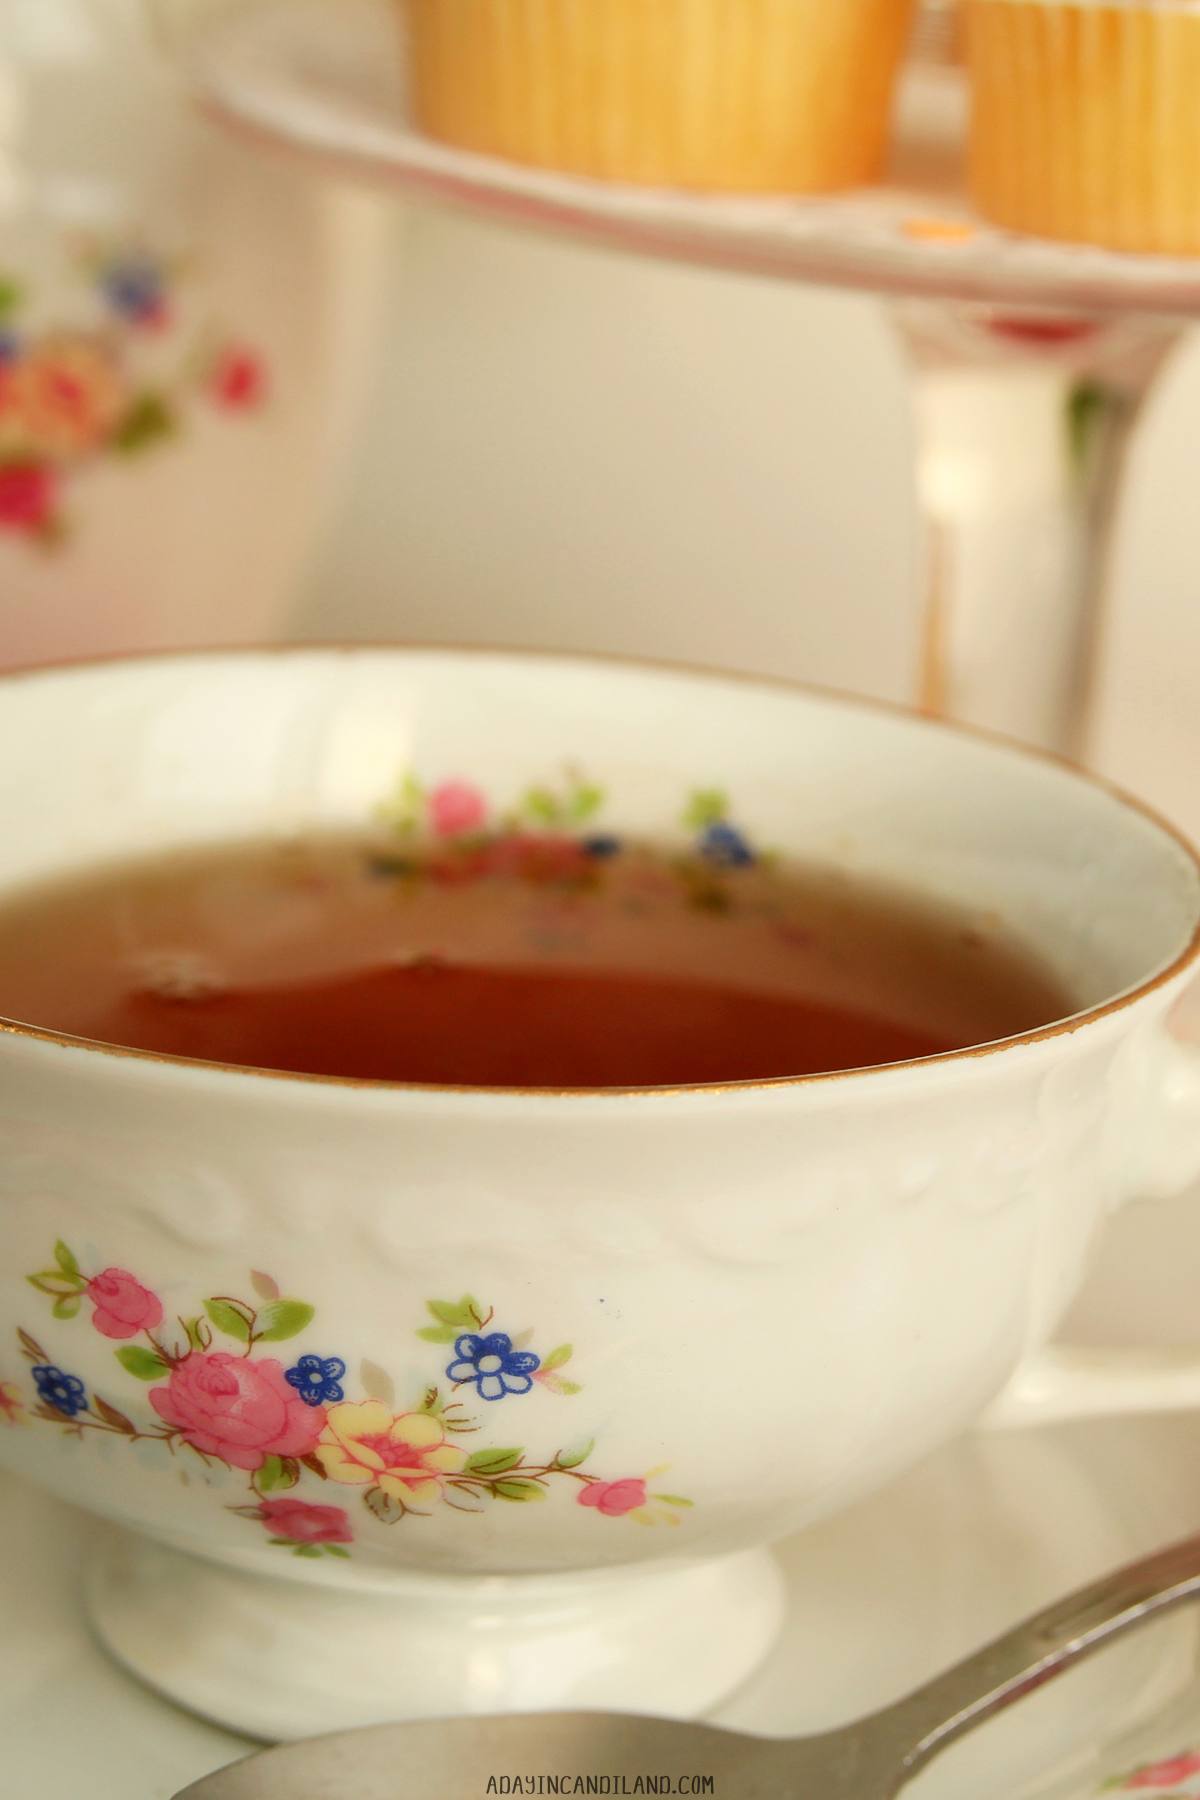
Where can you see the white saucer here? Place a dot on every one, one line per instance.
(981, 1534)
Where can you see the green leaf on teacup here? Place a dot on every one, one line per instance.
(672, 1499)
(557, 1357)
(306, 1550)
(283, 1319)
(453, 1317)
(231, 1317)
(54, 1283)
(386, 1509)
(278, 1472)
(706, 806)
(540, 804)
(146, 1365)
(66, 1260)
(404, 809)
(493, 1461)
(11, 296)
(466, 1312)
(586, 800)
(67, 1305)
(558, 1384)
(335, 1550)
(578, 1453)
(517, 1490)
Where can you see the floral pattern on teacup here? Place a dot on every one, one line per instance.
(449, 832)
(494, 1363)
(278, 1424)
(110, 366)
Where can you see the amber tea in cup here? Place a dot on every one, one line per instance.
(528, 960)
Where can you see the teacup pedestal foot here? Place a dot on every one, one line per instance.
(276, 1658)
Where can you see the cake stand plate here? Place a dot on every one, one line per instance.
(324, 78)
(1030, 361)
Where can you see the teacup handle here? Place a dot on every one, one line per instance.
(1064, 1381)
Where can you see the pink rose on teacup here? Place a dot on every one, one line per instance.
(614, 1498)
(302, 1522)
(241, 1411)
(456, 807)
(123, 1306)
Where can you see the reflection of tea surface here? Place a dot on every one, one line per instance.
(533, 962)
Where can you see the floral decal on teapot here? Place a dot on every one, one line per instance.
(279, 1422)
(1174, 1778)
(106, 369)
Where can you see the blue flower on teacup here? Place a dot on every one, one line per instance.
(318, 1379)
(602, 846)
(65, 1393)
(134, 285)
(723, 844)
(491, 1363)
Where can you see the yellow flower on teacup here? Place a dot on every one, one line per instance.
(405, 1454)
(64, 397)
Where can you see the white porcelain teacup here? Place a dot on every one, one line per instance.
(683, 1322)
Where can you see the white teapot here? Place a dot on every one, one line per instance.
(185, 328)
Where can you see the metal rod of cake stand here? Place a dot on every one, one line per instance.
(1024, 427)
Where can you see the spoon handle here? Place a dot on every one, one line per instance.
(926, 1721)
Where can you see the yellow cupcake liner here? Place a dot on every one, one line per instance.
(738, 96)
(1086, 121)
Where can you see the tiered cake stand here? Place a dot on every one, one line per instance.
(1031, 362)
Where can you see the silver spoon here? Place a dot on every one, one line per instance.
(451, 1759)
